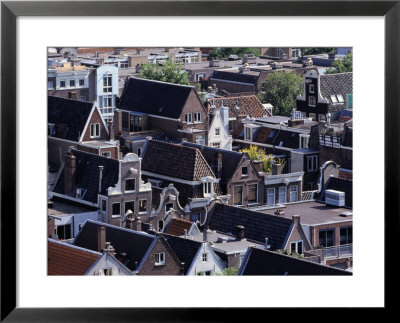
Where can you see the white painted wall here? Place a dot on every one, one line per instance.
(221, 121)
(108, 261)
(213, 263)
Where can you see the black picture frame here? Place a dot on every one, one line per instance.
(10, 10)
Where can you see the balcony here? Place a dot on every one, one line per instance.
(328, 253)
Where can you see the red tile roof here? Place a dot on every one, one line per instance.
(64, 259)
(249, 105)
(178, 227)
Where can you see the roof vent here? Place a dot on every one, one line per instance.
(346, 214)
(335, 198)
(222, 239)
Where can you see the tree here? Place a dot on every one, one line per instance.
(281, 90)
(166, 72)
(224, 52)
(318, 50)
(341, 65)
(231, 271)
(256, 153)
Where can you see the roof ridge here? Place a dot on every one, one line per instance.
(74, 246)
(70, 99)
(120, 228)
(162, 82)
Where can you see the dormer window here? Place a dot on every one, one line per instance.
(333, 99)
(247, 133)
(304, 141)
(311, 88)
(94, 130)
(107, 83)
(207, 188)
(130, 185)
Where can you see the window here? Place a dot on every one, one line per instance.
(326, 237)
(207, 188)
(238, 195)
(94, 130)
(168, 206)
(62, 83)
(312, 163)
(200, 140)
(216, 145)
(252, 193)
(346, 235)
(64, 232)
(312, 116)
(130, 205)
(340, 98)
(304, 141)
(81, 82)
(72, 83)
(106, 154)
(106, 272)
(247, 135)
(130, 184)
(204, 257)
(322, 117)
(103, 205)
(197, 117)
(217, 131)
(296, 246)
(188, 118)
(50, 85)
(245, 171)
(293, 193)
(282, 195)
(82, 98)
(142, 206)
(123, 65)
(116, 209)
(270, 196)
(135, 123)
(51, 129)
(107, 83)
(333, 99)
(107, 101)
(311, 88)
(311, 101)
(160, 259)
(160, 225)
(200, 76)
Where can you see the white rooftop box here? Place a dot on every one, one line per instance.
(335, 198)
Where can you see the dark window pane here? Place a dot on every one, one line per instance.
(116, 209)
(130, 206)
(130, 184)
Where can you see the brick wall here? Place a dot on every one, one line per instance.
(96, 118)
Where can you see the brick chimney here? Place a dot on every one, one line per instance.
(296, 220)
(258, 165)
(101, 238)
(276, 169)
(205, 235)
(69, 173)
(240, 232)
(117, 124)
(108, 248)
(137, 224)
(73, 95)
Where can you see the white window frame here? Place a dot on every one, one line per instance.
(188, 118)
(199, 76)
(310, 99)
(293, 191)
(79, 82)
(248, 135)
(71, 86)
(94, 130)
(204, 257)
(134, 206)
(108, 87)
(112, 210)
(147, 206)
(234, 194)
(251, 184)
(106, 154)
(280, 193)
(303, 140)
(208, 188)
(159, 259)
(217, 132)
(65, 84)
(130, 191)
(296, 249)
(312, 163)
(197, 117)
(311, 88)
(269, 193)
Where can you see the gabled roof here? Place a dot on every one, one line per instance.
(265, 262)
(249, 105)
(178, 226)
(339, 83)
(258, 226)
(154, 97)
(175, 161)
(135, 244)
(185, 249)
(87, 175)
(230, 159)
(71, 113)
(66, 259)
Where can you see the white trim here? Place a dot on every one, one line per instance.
(149, 115)
(100, 199)
(284, 187)
(160, 263)
(90, 116)
(274, 201)
(296, 242)
(147, 206)
(235, 82)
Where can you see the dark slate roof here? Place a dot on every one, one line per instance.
(235, 77)
(265, 262)
(135, 244)
(87, 174)
(154, 97)
(185, 249)
(175, 161)
(342, 185)
(71, 113)
(289, 139)
(258, 226)
(230, 159)
(249, 105)
(340, 83)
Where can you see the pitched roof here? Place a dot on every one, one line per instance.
(265, 262)
(71, 113)
(178, 226)
(185, 249)
(230, 159)
(154, 97)
(134, 243)
(87, 174)
(235, 76)
(249, 105)
(272, 136)
(258, 226)
(175, 161)
(340, 83)
(66, 259)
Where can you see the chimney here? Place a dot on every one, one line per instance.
(296, 219)
(101, 238)
(117, 124)
(258, 165)
(267, 246)
(240, 232)
(109, 249)
(137, 224)
(100, 176)
(69, 173)
(73, 95)
(111, 130)
(129, 223)
(205, 231)
(276, 169)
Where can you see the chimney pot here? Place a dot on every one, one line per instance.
(240, 232)
(276, 169)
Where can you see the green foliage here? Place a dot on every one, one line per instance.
(231, 271)
(281, 90)
(256, 153)
(202, 95)
(224, 52)
(166, 72)
(288, 253)
(341, 65)
(318, 50)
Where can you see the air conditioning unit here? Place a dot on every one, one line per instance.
(335, 198)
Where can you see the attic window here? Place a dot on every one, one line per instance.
(94, 130)
(160, 259)
(333, 99)
(340, 98)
